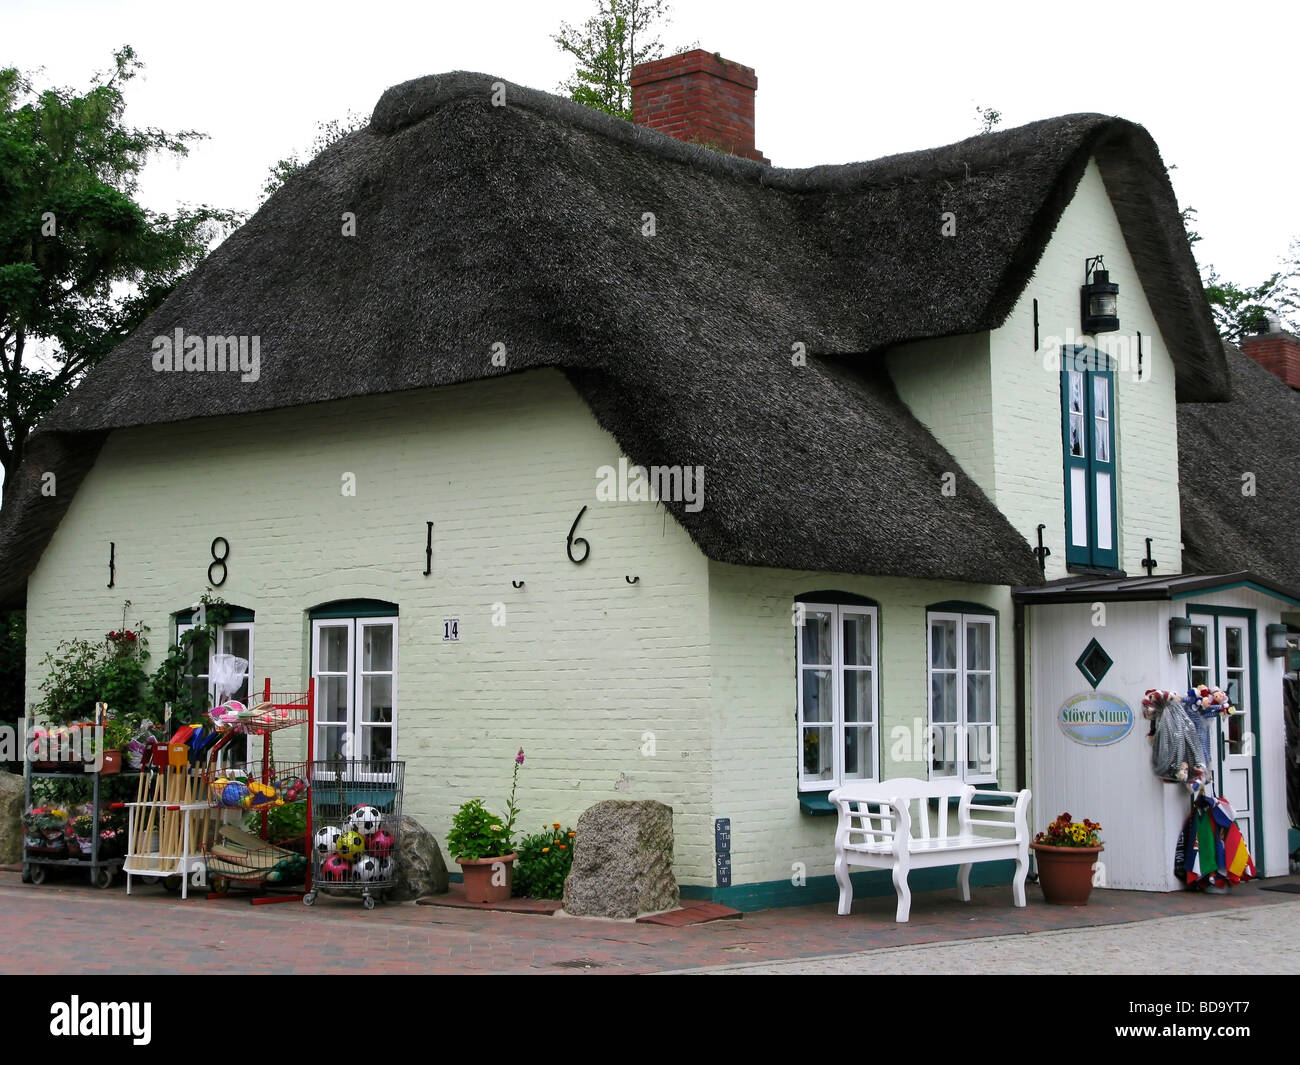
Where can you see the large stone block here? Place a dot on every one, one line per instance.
(11, 818)
(420, 867)
(622, 861)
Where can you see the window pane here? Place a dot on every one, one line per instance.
(332, 656)
(943, 762)
(377, 699)
(1077, 446)
(818, 753)
(332, 698)
(979, 749)
(858, 760)
(328, 740)
(377, 742)
(1103, 441)
(1105, 532)
(1078, 506)
(817, 705)
(817, 638)
(979, 638)
(1101, 398)
(235, 642)
(943, 644)
(979, 697)
(857, 695)
(1076, 392)
(943, 689)
(377, 653)
(1200, 648)
(857, 640)
(1232, 638)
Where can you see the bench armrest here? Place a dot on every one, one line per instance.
(1020, 811)
(890, 823)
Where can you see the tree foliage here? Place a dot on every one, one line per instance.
(327, 133)
(606, 47)
(81, 262)
(1240, 310)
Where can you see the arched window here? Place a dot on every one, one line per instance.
(354, 663)
(233, 635)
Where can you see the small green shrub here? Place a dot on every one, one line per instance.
(476, 833)
(545, 859)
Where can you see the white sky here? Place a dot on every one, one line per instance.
(1215, 84)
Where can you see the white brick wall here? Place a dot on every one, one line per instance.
(585, 664)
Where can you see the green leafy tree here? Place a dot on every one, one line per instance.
(327, 133)
(81, 262)
(606, 47)
(1240, 310)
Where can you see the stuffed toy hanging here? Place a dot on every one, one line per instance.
(1176, 754)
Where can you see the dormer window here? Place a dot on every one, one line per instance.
(1088, 430)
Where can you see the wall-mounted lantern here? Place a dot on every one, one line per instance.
(1100, 298)
(1180, 636)
(1275, 640)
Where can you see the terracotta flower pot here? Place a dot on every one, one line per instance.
(488, 879)
(1065, 873)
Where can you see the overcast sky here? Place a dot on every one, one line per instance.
(1215, 84)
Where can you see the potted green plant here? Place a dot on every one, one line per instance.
(1067, 860)
(484, 845)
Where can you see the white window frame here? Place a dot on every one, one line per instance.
(353, 725)
(963, 773)
(219, 632)
(837, 723)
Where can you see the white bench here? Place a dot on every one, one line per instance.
(877, 830)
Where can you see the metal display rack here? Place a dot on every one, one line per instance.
(101, 869)
(357, 805)
(234, 857)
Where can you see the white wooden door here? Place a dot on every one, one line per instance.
(1221, 656)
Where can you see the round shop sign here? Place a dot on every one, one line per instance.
(1095, 719)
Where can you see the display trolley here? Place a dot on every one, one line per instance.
(357, 812)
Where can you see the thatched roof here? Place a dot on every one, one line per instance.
(1257, 433)
(523, 224)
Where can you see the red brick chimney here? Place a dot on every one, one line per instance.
(698, 97)
(1277, 351)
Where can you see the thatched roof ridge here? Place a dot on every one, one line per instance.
(523, 224)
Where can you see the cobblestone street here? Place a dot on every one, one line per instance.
(62, 926)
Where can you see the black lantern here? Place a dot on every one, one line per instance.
(1275, 637)
(1180, 636)
(1100, 298)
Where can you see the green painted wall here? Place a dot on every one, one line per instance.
(585, 664)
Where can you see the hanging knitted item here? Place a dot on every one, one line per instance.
(1175, 749)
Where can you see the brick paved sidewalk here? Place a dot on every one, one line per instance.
(63, 927)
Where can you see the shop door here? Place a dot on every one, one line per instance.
(1221, 656)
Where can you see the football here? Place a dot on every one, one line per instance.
(366, 820)
(336, 869)
(380, 844)
(350, 846)
(366, 869)
(326, 841)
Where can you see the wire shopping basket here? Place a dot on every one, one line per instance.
(357, 817)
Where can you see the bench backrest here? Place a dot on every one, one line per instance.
(869, 822)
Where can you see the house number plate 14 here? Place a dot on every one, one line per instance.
(450, 630)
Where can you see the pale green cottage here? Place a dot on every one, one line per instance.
(457, 321)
